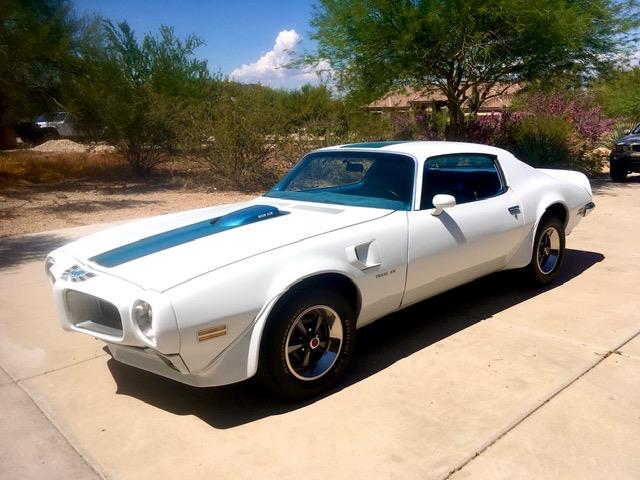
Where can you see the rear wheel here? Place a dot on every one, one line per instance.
(307, 344)
(548, 251)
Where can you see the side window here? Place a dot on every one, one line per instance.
(466, 176)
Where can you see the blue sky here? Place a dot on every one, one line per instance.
(249, 40)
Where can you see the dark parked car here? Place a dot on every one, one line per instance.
(48, 126)
(625, 157)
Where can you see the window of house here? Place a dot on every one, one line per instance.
(468, 177)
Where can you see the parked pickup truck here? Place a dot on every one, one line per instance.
(625, 157)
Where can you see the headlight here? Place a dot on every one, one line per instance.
(48, 263)
(622, 147)
(143, 316)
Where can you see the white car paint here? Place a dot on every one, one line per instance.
(234, 278)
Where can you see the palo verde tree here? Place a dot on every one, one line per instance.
(147, 96)
(36, 51)
(619, 93)
(470, 50)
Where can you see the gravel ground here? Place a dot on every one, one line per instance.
(30, 210)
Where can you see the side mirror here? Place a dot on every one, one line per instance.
(441, 201)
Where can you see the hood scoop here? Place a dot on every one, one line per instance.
(245, 216)
(188, 233)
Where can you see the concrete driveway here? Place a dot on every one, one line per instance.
(492, 380)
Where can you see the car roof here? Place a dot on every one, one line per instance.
(421, 149)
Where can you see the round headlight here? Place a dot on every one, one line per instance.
(143, 316)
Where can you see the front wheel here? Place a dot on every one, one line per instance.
(548, 251)
(307, 344)
(618, 172)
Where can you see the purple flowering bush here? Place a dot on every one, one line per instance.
(548, 129)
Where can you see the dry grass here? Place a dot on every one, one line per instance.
(44, 191)
(20, 167)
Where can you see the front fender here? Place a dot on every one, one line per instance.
(282, 283)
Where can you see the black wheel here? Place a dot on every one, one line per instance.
(548, 251)
(47, 135)
(618, 172)
(307, 344)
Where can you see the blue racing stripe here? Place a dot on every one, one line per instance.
(188, 233)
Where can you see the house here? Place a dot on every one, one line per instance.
(431, 100)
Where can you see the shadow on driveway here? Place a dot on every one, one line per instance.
(380, 345)
(603, 185)
(25, 248)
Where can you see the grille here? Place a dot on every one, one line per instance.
(93, 313)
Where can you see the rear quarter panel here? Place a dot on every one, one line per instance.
(537, 191)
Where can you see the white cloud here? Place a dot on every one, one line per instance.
(270, 69)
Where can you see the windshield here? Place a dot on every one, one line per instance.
(636, 129)
(51, 117)
(362, 179)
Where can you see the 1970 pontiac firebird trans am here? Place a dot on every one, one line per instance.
(278, 286)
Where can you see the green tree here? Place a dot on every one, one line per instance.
(470, 50)
(149, 97)
(37, 41)
(619, 94)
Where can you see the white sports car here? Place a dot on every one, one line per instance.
(278, 286)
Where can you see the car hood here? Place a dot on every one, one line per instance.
(632, 138)
(158, 253)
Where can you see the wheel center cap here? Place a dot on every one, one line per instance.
(547, 250)
(314, 343)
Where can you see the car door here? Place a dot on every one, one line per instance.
(469, 240)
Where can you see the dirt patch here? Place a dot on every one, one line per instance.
(30, 210)
(60, 146)
(41, 191)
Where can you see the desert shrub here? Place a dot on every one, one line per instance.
(579, 110)
(548, 130)
(405, 126)
(246, 132)
(541, 141)
(618, 130)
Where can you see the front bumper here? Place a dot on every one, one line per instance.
(98, 304)
(627, 160)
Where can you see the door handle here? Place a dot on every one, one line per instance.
(364, 255)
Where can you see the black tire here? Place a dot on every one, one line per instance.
(618, 172)
(545, 264)
(283, 332)
(47, 135)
